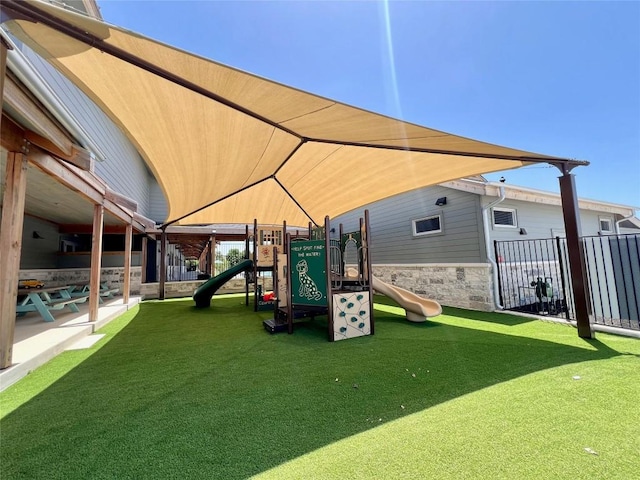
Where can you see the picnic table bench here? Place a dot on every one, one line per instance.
(42, 301)
(83, 290)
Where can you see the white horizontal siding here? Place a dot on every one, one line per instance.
(541, 221)
(157, 203)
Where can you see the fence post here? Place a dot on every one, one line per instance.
(499, 273)
(562, 277)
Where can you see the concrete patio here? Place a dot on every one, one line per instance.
(36, 342)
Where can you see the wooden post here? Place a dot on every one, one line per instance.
(3, 69)
(143, 277)
(126, 288)
(96, 262)
(577, 269)
(10, 249)
(163, 263)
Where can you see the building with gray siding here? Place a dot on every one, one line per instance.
(436, 241)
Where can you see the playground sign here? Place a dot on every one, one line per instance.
(308, 273)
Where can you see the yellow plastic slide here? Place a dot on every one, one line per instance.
(417, 309)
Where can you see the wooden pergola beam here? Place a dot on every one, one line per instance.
(56, 142)
(15, 138)
(78, 156)
(121, 200)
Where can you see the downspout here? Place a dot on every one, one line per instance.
(487, 244)
(21, 67)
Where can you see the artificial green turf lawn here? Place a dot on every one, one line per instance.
(175, 392)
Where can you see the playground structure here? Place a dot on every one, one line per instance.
(310, 280)
(313, 275)
(261, 247)
(266, 243)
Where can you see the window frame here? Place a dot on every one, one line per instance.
(604, 218)
(514, 215)
(440, 230)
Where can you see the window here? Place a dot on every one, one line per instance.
(427, 225)
(606, 224)
(504, 217)
(66, 246)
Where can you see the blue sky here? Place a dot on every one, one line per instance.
(558, 78)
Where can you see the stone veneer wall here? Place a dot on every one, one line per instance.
(114, 276)
(455, 285)
(186, 289)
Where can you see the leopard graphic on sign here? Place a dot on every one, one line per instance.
(308, 288)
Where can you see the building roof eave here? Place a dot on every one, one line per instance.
(531, 195)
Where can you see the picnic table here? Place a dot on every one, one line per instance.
(43, 300)
(82, 290)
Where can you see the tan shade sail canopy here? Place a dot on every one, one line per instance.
(228, 146)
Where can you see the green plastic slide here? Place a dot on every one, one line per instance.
(204, 292)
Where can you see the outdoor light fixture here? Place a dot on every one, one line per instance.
(523, 231)
(441, 201)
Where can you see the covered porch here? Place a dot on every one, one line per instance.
(50, 192)
(36, 342)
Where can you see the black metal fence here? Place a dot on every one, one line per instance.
(229, 254)
(181, 269)
(533, 276)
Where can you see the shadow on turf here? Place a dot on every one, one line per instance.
(186, 393)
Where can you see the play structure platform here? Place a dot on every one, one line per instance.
(279, 322)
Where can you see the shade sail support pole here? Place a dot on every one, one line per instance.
(577, 265)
